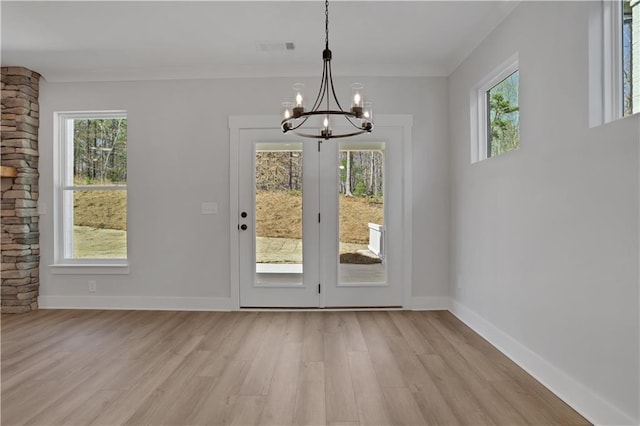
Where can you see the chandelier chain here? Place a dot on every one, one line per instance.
(326, 23)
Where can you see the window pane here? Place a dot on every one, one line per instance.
(279, 214)
(362, 231)
(100, 151)
(99, 224)
(503, 133)
(630, 70)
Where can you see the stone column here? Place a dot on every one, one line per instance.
(635, 54)
(20, 236)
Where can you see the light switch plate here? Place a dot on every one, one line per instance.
(209, 208)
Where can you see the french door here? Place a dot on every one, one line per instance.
(319, 222)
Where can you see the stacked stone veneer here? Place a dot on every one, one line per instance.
(20, 233)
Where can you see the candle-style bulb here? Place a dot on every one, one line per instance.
(325, 123)
(286, 110)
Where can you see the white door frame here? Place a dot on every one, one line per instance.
(403, 122)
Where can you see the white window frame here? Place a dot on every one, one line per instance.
(64, 263)
(479, 124)
(612, 60)
(606, 102)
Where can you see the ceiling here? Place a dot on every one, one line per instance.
(94, 41)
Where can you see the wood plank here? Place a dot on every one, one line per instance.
(262, 368)
(190, 401)
(294, 327)
(340, 398)
(122, 408)
(384, 363)
(281, 398)
(215, 408)
(403, 408)
(355, 339)
(434, 407)
(458, 396)
(412, 336)
(369, 397)
(565, 414)
(473, 356)
(312, 335)
(246, 410)
(157, 406)
(491, 402)
(527, 405)
(310, 398)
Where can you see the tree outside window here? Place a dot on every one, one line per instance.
(503, 116)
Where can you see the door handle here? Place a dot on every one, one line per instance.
(243, 227)
(243, 214)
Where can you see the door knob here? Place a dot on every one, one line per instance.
(243, 227)
(243, 214)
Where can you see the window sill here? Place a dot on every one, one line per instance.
(89, 269)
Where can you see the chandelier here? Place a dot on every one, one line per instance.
(295, 116)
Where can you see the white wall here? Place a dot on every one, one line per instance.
(545, 238)
(179, 158)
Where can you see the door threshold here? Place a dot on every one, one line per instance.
(327, 309)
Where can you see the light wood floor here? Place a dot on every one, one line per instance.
(277, 368)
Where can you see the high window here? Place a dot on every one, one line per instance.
(630, 64)
(91, 188)
(503, 116)
(495, 113)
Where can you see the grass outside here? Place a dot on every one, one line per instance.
(100, 209)
(289, 250)
(94, 243)
(279, 215)
(100, 224)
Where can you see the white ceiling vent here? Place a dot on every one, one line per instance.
(274, 46)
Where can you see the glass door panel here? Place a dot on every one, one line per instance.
(361, 215)
(278, 214)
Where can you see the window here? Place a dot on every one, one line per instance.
(495, 113)
(503, 116)
(91, 188)
(619, 68)
(630, 60)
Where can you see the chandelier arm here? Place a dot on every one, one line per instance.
(293, 128)
(338, 103)
(320, 96)
(352, 123)
(333, 90)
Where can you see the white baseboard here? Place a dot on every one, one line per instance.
(583, 400)
(427, 303)
(137, 302)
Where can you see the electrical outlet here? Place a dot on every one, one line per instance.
(92, 286)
